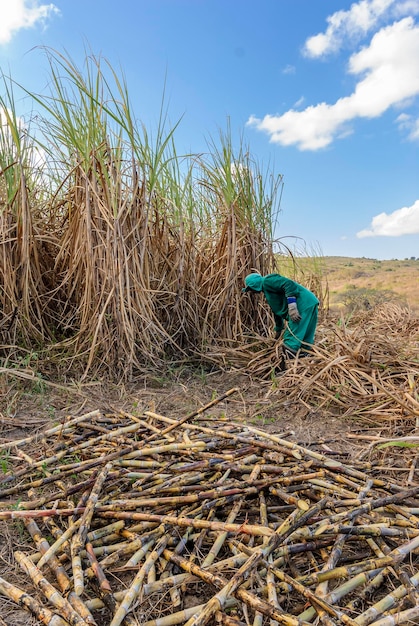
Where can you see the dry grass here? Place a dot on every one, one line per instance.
(367, 369)
(399, 277)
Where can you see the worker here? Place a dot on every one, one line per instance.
(289, 301)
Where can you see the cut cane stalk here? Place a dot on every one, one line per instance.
(28, 602)
(62, 606)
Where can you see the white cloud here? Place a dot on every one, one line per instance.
(411, 125)
(389, 71)
(403, 221)
(361, 18)
(18, 14)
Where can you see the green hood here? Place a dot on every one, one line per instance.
(253, 282)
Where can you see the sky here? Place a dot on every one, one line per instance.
(322, 92)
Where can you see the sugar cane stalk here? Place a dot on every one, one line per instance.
(56, 546)
(43, 545)
(136, 584)
(395, 556)
(62, 576)
(287, 527)
(62, 606)
(386, 603)
(314, 600)
(401, 617)
(248, 597)
(52, 431)
(28, 602)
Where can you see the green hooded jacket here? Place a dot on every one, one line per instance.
(277, 289)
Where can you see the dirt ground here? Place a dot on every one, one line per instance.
(26, 409)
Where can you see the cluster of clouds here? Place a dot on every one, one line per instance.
(404, 221)
(19, 14)
(386, 73)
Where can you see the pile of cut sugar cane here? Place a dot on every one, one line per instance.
(154, 521)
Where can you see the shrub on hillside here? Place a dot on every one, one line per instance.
(358, 299)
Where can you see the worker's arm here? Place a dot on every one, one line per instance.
(290, 289)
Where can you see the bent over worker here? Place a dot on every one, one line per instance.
(289, 301)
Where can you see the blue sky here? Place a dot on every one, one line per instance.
(324, 92)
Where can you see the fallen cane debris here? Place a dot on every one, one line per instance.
(216, 521)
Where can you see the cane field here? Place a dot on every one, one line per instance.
(157, 465)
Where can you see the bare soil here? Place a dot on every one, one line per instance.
(175, 396)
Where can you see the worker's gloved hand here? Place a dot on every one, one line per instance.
(293, 311)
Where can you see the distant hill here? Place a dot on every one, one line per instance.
(389, 279)
(357, 281)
